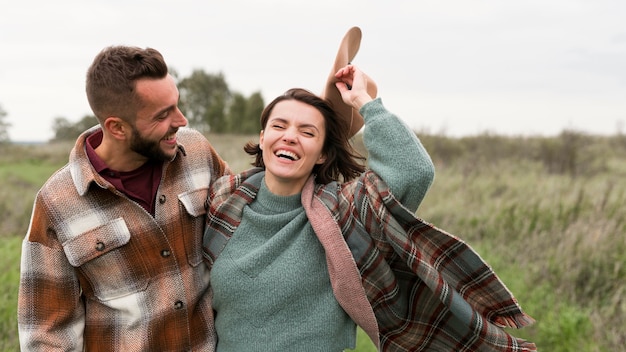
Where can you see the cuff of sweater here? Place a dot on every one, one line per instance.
(372, 109)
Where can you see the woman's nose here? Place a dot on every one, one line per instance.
(289, 136)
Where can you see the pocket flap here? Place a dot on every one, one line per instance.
(194, 201)
(96, 242)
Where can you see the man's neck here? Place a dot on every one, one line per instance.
(117, 156)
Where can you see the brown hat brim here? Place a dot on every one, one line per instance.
(348, 49)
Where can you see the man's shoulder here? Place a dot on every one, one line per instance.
(193, 143)
(187, 134)
(60, 183)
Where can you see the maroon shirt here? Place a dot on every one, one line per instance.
(140, 184)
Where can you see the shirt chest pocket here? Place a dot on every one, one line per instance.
(107, 260)
(193, 204)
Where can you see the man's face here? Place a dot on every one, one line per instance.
(147, 147)
(158, 119)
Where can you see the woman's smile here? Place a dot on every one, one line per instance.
(294, 136)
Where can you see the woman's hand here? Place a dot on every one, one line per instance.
(352, 85)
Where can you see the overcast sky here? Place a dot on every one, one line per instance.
(458, 67)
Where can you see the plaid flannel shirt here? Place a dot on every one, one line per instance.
(409, 285)
(99, 273)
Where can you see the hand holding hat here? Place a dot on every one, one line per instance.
(352, 86)
(346, 109)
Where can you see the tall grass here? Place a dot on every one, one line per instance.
(546, 213)
(553, 225)
(9, 277)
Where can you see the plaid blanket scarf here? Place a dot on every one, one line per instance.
(419, 288)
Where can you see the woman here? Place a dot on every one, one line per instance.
(298, 258)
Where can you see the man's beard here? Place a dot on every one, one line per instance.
(149, 148)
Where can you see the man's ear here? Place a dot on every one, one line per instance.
(116, 127)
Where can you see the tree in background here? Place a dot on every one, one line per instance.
(64, 130)
(244, 114)
(4, 127)
(203, 100)
(210, 106)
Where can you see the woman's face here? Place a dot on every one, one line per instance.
(292, 143)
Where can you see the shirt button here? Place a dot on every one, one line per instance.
(178, 305)
(162, 199)
(100, 246)
(165, 253)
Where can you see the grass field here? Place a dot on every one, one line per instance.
(546, 213)
(9, 277)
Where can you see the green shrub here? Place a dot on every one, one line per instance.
(561, 326)
(10, 278)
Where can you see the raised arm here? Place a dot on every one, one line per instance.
(394, 151)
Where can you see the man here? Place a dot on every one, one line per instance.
(112, 259)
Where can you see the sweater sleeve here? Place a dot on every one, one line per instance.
(396, 155)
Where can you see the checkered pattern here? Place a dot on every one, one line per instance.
(427, 289)
(98, 272)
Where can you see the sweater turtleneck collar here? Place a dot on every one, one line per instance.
(275, 204)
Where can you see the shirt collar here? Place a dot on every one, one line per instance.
(91, 143)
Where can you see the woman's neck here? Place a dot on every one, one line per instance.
(284, 186)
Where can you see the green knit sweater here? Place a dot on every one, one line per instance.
(271, 285)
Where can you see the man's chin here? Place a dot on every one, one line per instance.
(169, 151)
(160, 155)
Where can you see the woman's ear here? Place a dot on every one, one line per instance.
(321, 159)
(261, 140)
